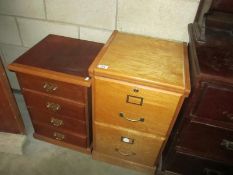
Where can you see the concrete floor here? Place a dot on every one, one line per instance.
(42, 158)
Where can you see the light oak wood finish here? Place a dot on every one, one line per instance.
(143, 150)
(101, 53)
(122, 162)
(157, 109)
(153, 62)
(139, 84)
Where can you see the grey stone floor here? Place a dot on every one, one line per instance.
(41, 158)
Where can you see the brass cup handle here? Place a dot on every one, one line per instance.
(58, 136)
(49, 87)
(228, 145)
(53, 106)
(122, 115)
(56, 122)
(124, 154)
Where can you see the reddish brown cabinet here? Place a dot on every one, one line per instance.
(10, 117)
(202, 141)
(53, 76)
(214, 104)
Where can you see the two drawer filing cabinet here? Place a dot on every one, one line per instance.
(53, 76)
(139, 84)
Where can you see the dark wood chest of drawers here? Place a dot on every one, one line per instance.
(53, 76)
(202, 143)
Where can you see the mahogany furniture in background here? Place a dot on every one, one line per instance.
(53, 76)
(139, 84)
(10, 118)
(202, 143)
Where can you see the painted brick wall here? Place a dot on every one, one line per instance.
(25, 22)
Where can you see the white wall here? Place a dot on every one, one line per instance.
(25, 22)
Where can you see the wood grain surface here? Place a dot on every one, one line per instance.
(150, 61)
(139, 85)
(143, 150)
(66, 90)
(62, 54)
(157, 109)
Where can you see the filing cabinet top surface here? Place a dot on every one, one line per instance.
(61, 54)
(147, 60)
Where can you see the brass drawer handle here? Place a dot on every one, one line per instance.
(228, 145)
(124, 154)
(53, 106)
(122, 115)
(58, 136)
(49, 87)
(56, 122)
(228, 115)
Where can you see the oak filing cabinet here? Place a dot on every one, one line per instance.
(53, 76)
(139, 84)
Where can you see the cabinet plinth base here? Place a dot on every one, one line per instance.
(123, 163)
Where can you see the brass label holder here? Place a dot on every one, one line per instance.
(134, 100)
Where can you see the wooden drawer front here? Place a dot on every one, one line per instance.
(154, 115)
(54, 105)
(142, 149)
(215, 103)
(210, 142)
(59, 122)
(190, 165)
(53, 87)
(62, 136)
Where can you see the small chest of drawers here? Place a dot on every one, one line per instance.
(139, 84)
(53, 76)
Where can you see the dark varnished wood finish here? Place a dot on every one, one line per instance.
(63, 63)
(184, 163)
(10, 117)
(207, 119)
(62, 54)
(73, 138)
(214, 105)
(65, 90)
(206, 142)
(213, 18)
(68, 124)
(68, 108)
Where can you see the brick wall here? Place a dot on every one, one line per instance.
(25, 22)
